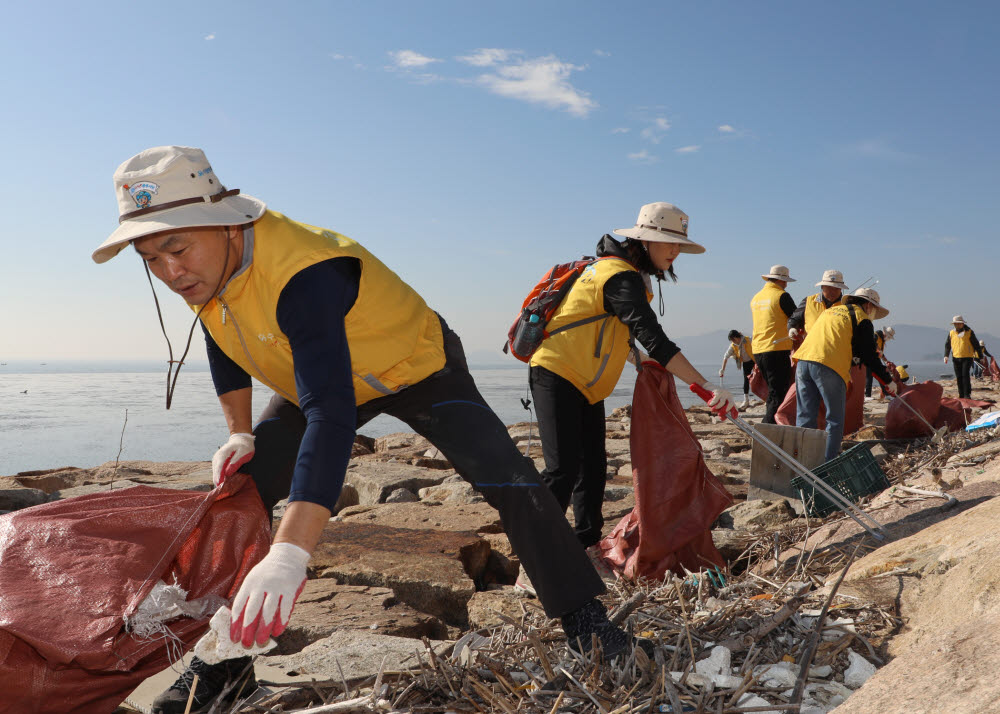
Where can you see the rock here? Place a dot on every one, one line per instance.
(404, 440)
(625, 470)
(716, 447)
(359, 450)
(718, 662)
(348, 497)
(402, 495)
(354, 653)
(365, 442)
(52, 481)
(460, 492)
(624, 411)
(617, 493)
(14, 499)
(858, 671)
(326, 607)
(782, 674)
(484, 606)
(174, 484)
(431, 571)
(425, 463)
(434, 453)
(752, 700)
(879, 453)
(421, 515)
(375, 480)
(761, 513)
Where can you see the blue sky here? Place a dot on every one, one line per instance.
(471, 146)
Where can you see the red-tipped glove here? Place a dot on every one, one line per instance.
(722, 399)
(233, 454)
(265, 600)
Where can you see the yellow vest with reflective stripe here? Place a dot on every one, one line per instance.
(591, 357)
(961, 345)
(815, 307)
(829, 341)
(770, 323)
(395, 340)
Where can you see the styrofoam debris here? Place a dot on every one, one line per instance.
(782, 674)
(821, 672)
(752, 700)
(215, 645)
(719, 681)
(859, 671)
(718, 662)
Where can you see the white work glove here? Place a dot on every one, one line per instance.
(794, 333)
(946, 360)
(265, 600)
(892, 388)
(722, 373)
(722, 399)
(227, 460)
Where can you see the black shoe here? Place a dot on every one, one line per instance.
(592, 619)
(218, 684)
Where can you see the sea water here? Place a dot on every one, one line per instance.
(85, 414)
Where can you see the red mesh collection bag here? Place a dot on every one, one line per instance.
(676, 497)
(72, 571)
(854, 410)
(994, 370)
(757, 384)
(902, 423)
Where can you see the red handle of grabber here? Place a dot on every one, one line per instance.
(707, 397)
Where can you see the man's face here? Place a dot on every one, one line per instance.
(831, 294)
(193, 262)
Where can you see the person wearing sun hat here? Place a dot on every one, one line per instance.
(881, 337)
(831, 293)
(340, 338)
(570, 378)
(961, 343)
(840, 334)
(772, 347)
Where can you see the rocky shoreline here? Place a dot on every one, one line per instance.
(414, 555)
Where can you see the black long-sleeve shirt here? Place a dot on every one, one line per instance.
(972, 339)
(798, 317)
(864, 347)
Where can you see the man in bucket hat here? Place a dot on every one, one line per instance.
(961, 343)
(831, 293)
(340, 338)
(772, 347)
(839, 334)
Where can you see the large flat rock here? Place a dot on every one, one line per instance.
(375, 480)
(421, 515)
(431, 571)
(325, 607)
(359, 654)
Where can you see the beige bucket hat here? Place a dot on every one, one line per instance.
(889, 332)
(778, 272)
(172, 187)
(958, 318)
(833, 279)
(872, 297)
(662, 223)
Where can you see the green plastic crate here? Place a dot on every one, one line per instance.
(854, 474)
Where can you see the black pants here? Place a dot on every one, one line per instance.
(576, 463)
(963, 367)
(447, 409)
(747, 369)
(776, 369)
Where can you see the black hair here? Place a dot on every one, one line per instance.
(734, 334)
(640, 258)
(857, 300)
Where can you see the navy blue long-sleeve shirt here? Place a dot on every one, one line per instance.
(310, 312)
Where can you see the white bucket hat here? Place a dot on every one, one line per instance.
(872, 297)
(833, 279)
(172, 187)
(889, 332)
(778, 272)
(662, 223)
(958, 318)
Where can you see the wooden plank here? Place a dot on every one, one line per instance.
(771, 479)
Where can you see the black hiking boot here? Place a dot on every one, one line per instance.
(592, 619)
(218, 684)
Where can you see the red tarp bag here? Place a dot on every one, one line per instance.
(757, 384)
(955, 413)
(676, 497)
(72, 570)
(854, 410)
(902, 423)
(994, 370)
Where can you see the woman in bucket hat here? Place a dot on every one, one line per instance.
(772, 347)
(961, 343)
(840, 334)
(340, 338)
(831, 293)
(570, 378)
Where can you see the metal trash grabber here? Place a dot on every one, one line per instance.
(937, 435)
(851, 509)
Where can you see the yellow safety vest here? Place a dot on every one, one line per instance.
(591, 357)
(961, 345)
(879, 343)
(770, 323)
(395, 340)
(829, 342)
(747, 347)
(815, 307)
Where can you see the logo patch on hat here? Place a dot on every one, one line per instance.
(684, 224)
(142, 193)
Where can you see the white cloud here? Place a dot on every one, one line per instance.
(727, 129)
(210, 36)
(688, 149)
(543, 80)
(643, 157)
(877, 149)
(948, 240)
(337, 56)
(407, 59)
(487, 57)
(654, 132)
(621, 130)
(602, 53)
